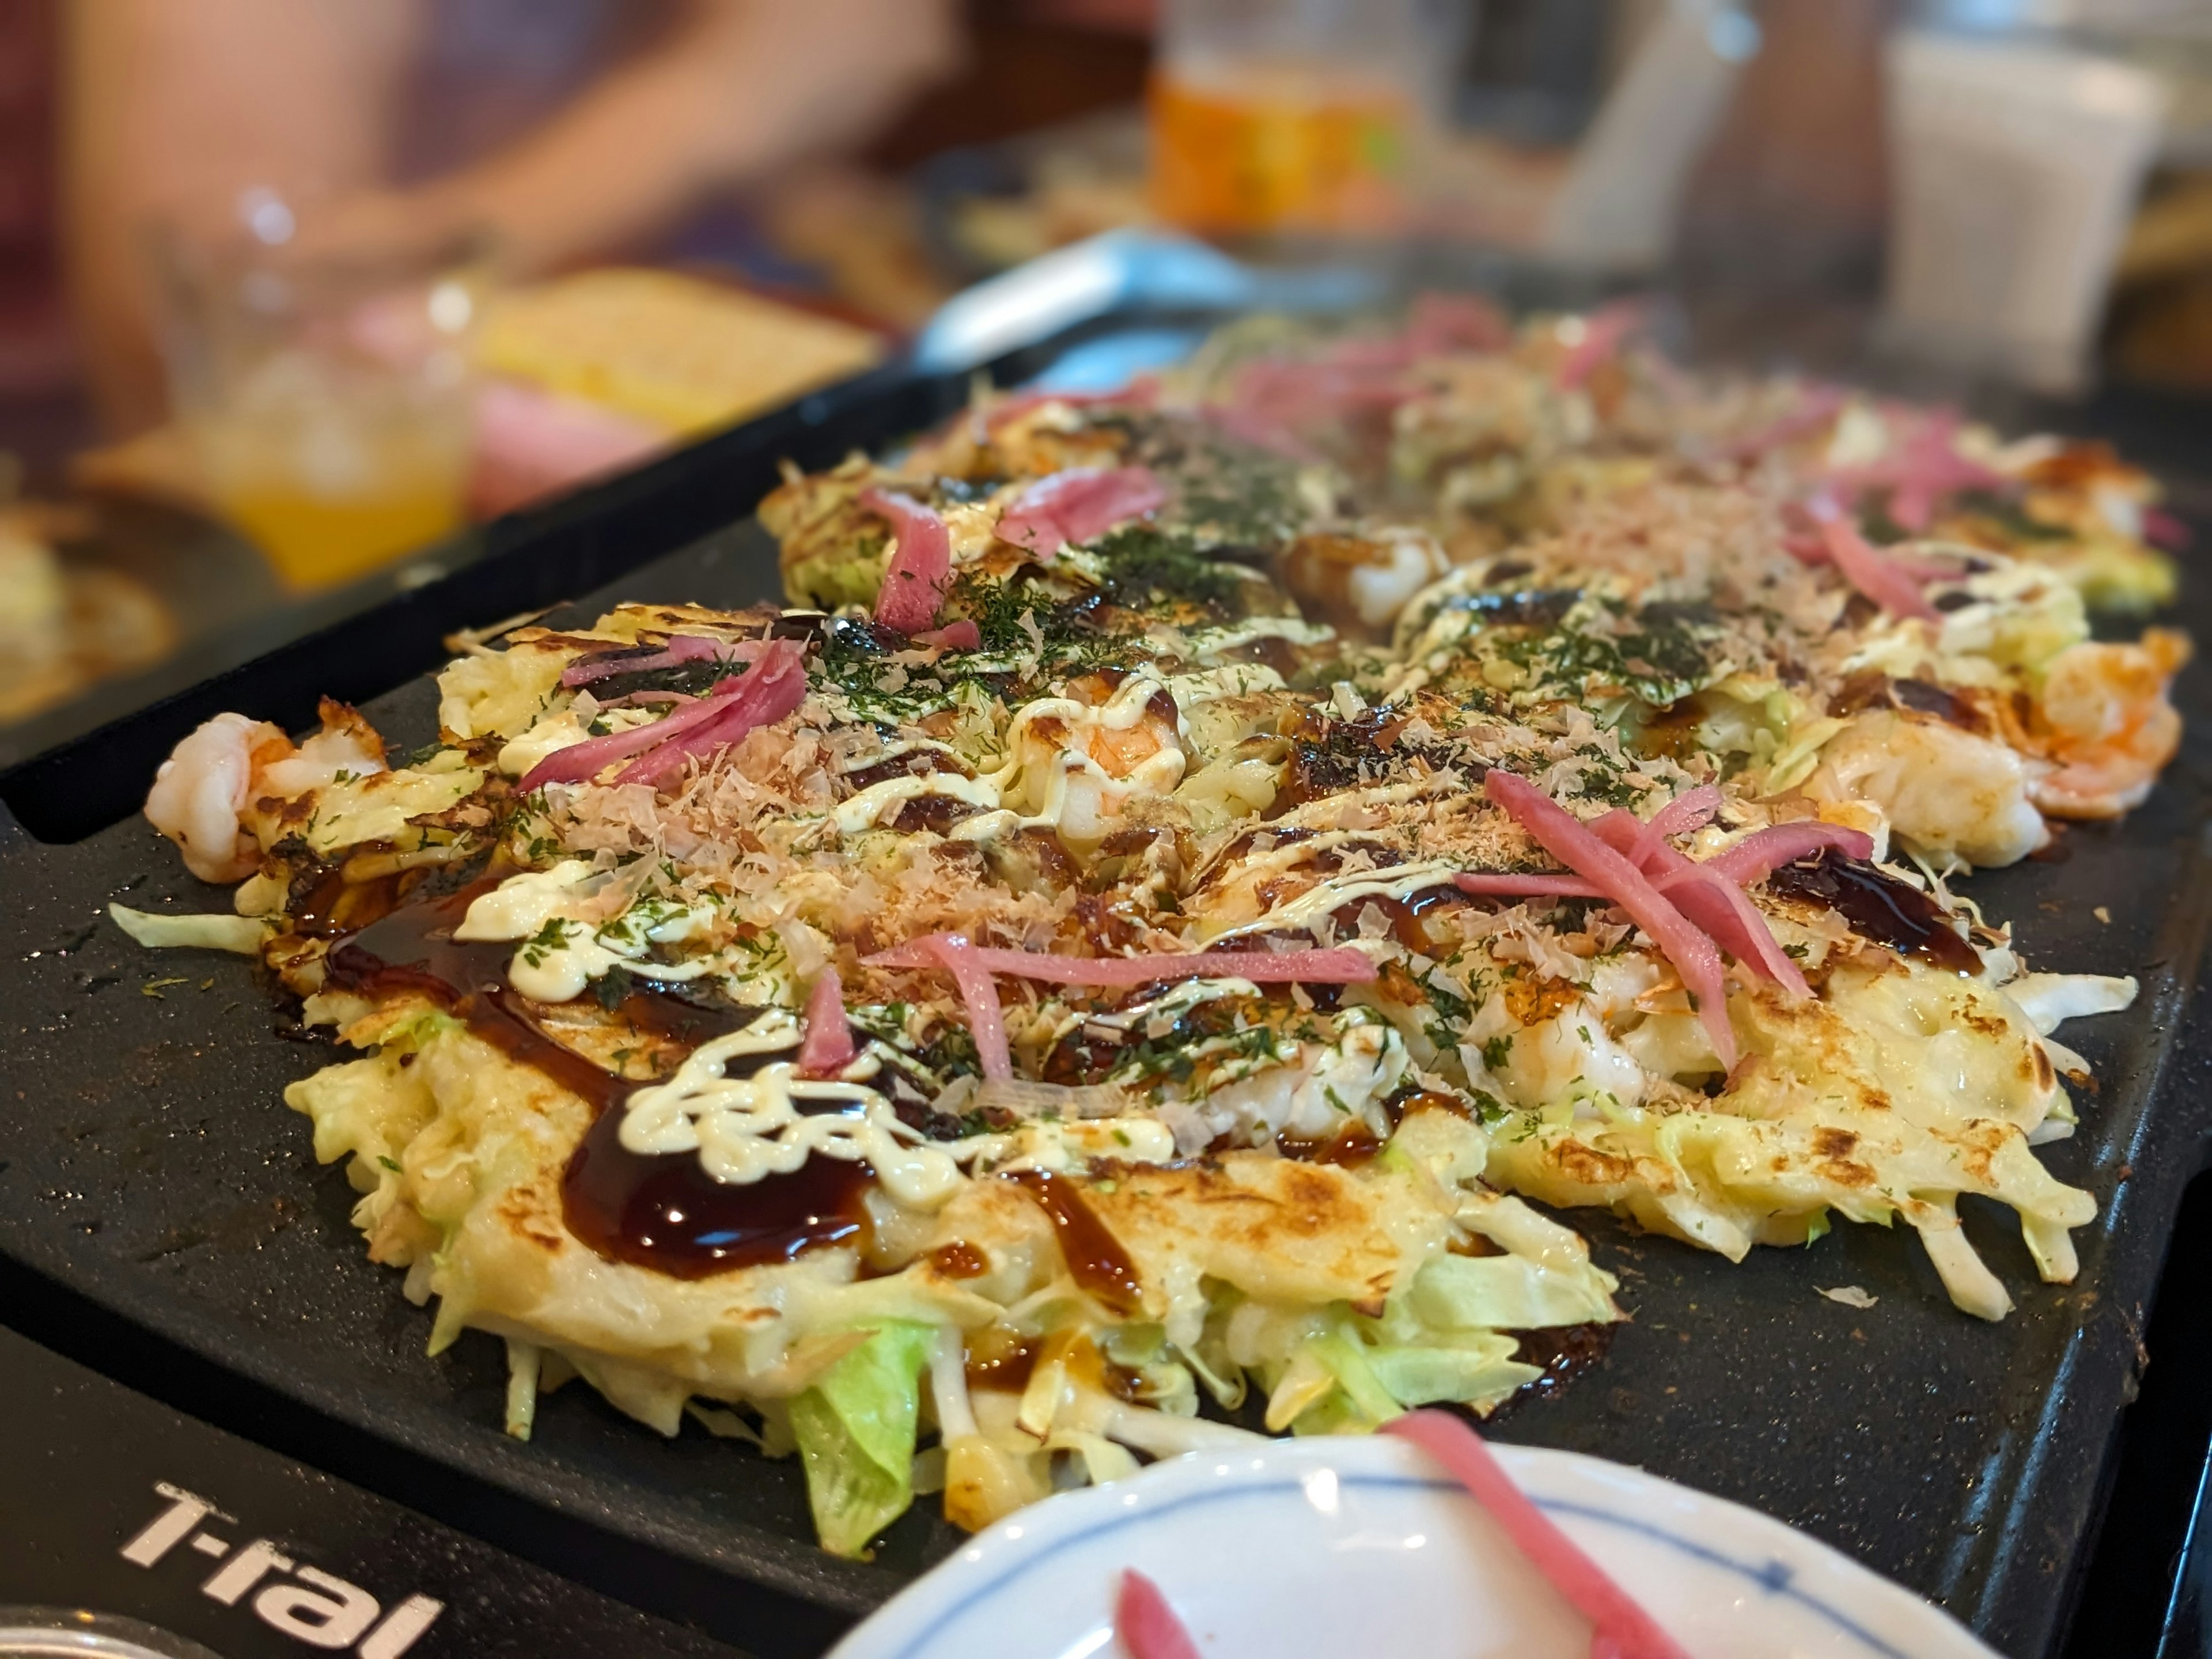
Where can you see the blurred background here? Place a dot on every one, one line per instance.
(290, 292)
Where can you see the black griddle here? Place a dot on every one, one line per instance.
(148, 1165)
(89, 1458)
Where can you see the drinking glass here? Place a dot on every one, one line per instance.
(326, 389)
(1295, 115)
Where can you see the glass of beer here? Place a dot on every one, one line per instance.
(1298, 116)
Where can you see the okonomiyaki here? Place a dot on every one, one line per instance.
(1199, 885)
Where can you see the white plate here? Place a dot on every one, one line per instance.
(1361, 1547)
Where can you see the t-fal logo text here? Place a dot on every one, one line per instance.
(311, 1606)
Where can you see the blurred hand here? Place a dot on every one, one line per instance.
(736, 90)
(799, 75)
(176, 101)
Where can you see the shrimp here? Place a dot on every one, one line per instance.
(202, 795)
(1119, 745)
(346, 744)
(1072, 760)
(1358, 584)
(201, 789)
(1948, 792)
(2104, 719)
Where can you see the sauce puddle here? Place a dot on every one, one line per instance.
(1879, 908)
(661, 1211)
(1096, 1260)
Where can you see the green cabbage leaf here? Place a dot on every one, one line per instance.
(856, 1431)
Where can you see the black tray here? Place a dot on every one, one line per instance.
(148, 1164)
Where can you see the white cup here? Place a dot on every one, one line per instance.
(2014, 170)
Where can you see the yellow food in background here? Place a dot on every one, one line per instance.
(685, 354)
(63, 626)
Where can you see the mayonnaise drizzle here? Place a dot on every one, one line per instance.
(1039, 775)
(746, 1128)
(557, 970)
(870, 806)
(1398, 882)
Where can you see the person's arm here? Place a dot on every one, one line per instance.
(735, 89)
(174, 107)
(170, 111)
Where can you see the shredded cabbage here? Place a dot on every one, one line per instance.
(1357, 1374)
(1481, 1373)
(1508, 1292)
(522, 1372)
(242, 934)
(856, 1434)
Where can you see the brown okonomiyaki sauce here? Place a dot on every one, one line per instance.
(1352, 1145)
(1562, 1352)
(1406, 916)
(665, 1213)
(959, 1260)
(333, 906)
(1879, 906)
(1001, 1358)
(661, 1212)
(1096, 1260)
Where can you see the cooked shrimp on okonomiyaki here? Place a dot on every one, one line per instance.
(1160, 935)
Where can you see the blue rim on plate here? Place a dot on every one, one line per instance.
(1065, 1553)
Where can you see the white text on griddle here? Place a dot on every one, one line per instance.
(321, 1610)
